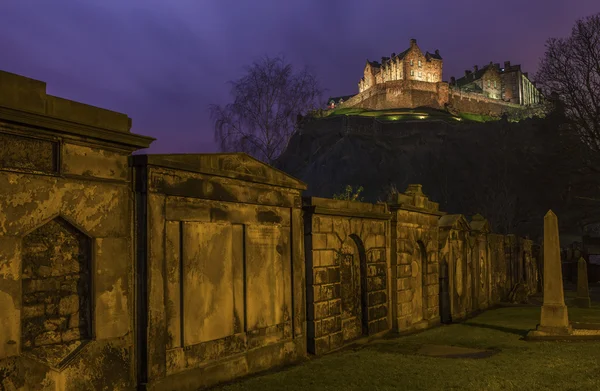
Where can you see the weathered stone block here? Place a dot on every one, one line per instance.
(432, 290)
(376, 283)
(375, 298)
(328, 258)
(47, 338)
(71, 335)
(33, 311)
(333, 274)
(403, 284)
(333, 241)
(321, 310)
(376, 269)
(404, 323)
(319, 241)
(321, 275)
(313, 293)
(335, 307)
(406, 308)
(404, 258)
(379, 311)
(326, 224)
(315, 329)
(336, 340)
(404, 270)
(331, 325)
(405, 296)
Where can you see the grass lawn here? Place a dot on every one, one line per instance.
(391, 364)
(477, 117)
(398, 114)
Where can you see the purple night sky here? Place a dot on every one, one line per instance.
(162, 62)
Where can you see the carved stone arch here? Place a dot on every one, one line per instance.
(364, 294)
(56, 278)
(353, 289)
(419, 281)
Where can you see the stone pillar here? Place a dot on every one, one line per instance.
(554, 318)
(583, 292)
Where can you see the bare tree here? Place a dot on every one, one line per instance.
(571, 68)
(267, 103)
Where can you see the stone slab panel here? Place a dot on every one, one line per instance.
(192, 209)
(173, 286)
(112, 290)
(94, 162)
(298, 270)
(157, 328)
(27, 153)
(267, 295)
(208, 307)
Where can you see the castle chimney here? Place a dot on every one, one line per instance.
(467, 72)
(393, 54)
(413, 42)
(452, 80)
(506, 64)
(525, 74)
(476, 68)
(497, 65)
(437, 52)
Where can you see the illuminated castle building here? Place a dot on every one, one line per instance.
(414, 79)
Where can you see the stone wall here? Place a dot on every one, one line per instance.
(225, 268)
(66, 254)
(414, 93)
(414, 260)
(346, 271)
(469, 102)
(483, 267)
(165, 272)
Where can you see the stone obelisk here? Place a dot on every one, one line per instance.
(583, 291)
(554, 319)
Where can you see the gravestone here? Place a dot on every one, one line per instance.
(583, 291)
(554, 317)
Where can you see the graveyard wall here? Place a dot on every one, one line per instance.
(66, 254)
(175, 271)
(347, 270)
(414, 268)
(225, 268)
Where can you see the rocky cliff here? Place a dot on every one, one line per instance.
(511, 172)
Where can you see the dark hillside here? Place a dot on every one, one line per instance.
(511, 172)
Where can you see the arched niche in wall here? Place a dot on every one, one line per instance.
(353, 288)
(56, 291)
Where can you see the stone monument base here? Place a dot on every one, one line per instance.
(554, 316)
(544, 331)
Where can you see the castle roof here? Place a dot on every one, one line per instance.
(435, 55)
(473, 76)
(400, 56)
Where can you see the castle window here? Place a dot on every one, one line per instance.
(488, 83)
(419, 62)
(412, 73)
(420, 74)
(412, 62)
(495, 84)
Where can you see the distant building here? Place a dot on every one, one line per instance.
(413, 79)
(508, 84)
(332, 103)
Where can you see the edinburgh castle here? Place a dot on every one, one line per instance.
(413, 79)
